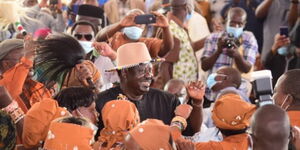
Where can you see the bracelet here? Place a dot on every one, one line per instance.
(178, 125)
(14, 111)
(180, 120)
(11, 107)
(17, 115)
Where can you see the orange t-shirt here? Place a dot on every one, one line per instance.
(294, 118)
(238, 142)
(153, 44)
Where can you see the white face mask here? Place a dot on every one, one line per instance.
(87, 46)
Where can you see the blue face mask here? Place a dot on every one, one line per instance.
(86, 45)
(188, 16)
(283, 51)
(133, 33)
(211, 80)
(237, 32)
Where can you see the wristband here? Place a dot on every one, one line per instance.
(180, 120)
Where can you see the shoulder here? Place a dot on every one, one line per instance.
(107, 95)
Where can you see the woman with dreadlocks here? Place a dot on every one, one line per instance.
(61, 59)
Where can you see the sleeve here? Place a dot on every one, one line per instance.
(154, 46)
(208, 46)
(250, 49)
(14, 78)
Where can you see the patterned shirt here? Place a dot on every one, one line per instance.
(249, 54)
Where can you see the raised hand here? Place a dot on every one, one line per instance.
(161, 20)
(196, 91)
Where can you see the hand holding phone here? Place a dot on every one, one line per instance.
(145, 19)
(284, 30)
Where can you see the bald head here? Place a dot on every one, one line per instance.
(233, 75)
(270, 128)
(174, 86)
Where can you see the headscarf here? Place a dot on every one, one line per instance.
(119, 116)
(231, 112)
(68, 136)
(38, 119)
(8, 45)
(8, 133)
(152, 134)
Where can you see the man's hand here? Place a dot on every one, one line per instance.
(105, 50)
(161, 20)
(233, 52)
(5, 98)
(185, 145)
(83, 73)
(196, 91)
(279, 41)
(128, 20)
(183, 110)
(221, 43)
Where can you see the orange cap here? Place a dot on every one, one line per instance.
(67, 136)
(231, 112)
(152, 134)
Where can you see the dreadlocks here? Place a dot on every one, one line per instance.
(56, 56)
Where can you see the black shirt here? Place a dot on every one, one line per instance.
(155, 104)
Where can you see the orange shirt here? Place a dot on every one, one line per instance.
(153, 44)
(234, 142)
(294, 118)
(13, 80)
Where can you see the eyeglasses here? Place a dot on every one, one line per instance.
(88, 37)
(142, 69)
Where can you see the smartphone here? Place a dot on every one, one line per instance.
(284, 30)
(145, 19)
(53, 2)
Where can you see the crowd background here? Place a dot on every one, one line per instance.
(84, 74)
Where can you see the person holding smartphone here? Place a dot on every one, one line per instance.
(283, 55)
(128, 30)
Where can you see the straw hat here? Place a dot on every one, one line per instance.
(132, 54)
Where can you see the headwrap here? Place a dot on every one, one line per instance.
(8, 45)
(119, 116)
(8, 133)
(231, 112)
(38, 119)
(152, 134)
(67, 136)
(72, 77)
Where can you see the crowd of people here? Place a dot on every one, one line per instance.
(149, 75)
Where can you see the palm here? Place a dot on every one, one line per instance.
(196, 90)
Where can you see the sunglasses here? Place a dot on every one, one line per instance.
(88, 37)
